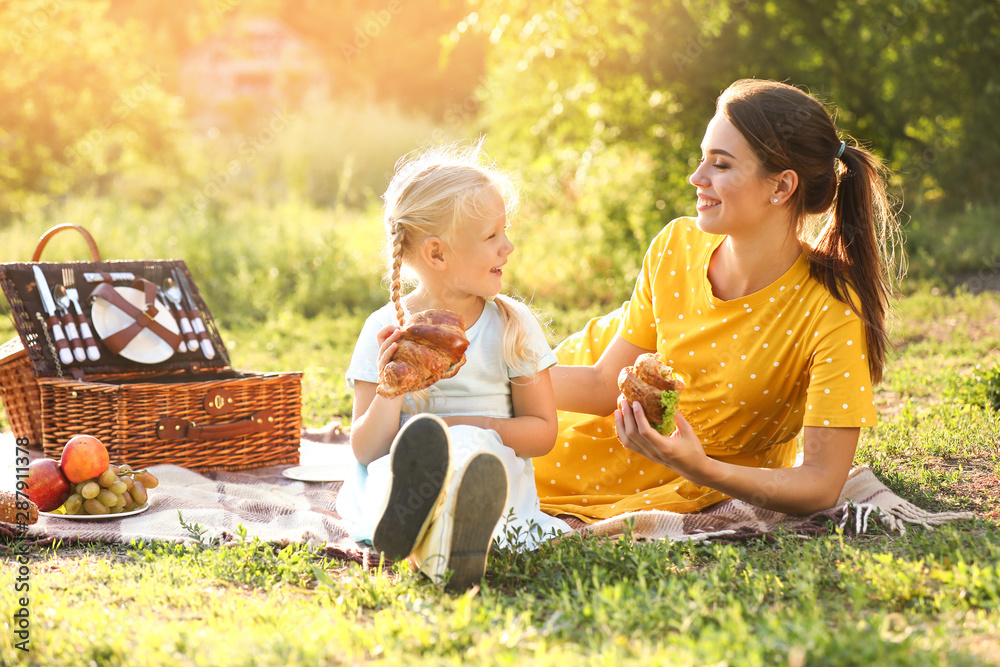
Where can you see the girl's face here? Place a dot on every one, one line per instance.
(480, 249)
(732, 195)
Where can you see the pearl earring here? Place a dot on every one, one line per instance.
(775, 200)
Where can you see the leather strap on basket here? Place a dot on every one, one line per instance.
(174, 428)
(143, 319)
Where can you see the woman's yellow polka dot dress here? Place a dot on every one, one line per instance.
(758, 369)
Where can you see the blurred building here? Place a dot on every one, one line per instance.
(253, 65)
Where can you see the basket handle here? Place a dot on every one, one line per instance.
(94, 252)
(174, 428)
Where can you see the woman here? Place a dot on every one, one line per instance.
(774, 329)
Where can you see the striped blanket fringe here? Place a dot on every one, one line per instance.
(732, 520)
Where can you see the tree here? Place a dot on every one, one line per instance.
(577, 81)
(79, 106)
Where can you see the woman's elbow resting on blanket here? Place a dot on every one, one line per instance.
(815, 490)
(821, 499)
(801, 490)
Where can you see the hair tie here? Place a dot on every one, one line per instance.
(840, 151)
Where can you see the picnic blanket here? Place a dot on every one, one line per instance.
(188, 506)
(864, 498)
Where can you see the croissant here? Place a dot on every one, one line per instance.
(431, 347)
(655, 386)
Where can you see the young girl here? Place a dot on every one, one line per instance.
(440, 487)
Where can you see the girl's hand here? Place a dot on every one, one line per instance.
(387, 337)
(681, 451)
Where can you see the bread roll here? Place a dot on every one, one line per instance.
(655, 386)
(9, 513)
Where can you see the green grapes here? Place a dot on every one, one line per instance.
(116, 490)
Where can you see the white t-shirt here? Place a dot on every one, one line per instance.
(482, 384)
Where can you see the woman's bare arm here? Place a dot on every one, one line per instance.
(815, 485)
(594, 389)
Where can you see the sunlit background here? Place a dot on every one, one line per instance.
(253, 138)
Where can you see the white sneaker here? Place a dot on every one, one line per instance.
(419, 460)
(459, 539)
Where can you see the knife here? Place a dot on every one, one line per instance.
(194, 315)
(74, 296)
(65, 354)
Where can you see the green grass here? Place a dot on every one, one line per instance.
(954, 248)
(927, 597)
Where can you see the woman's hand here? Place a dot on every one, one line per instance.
(681, 451)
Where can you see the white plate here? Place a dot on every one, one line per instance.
(336, 472)
(146, 347)
(95, 517)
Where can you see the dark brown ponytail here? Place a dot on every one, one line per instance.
(854, 247)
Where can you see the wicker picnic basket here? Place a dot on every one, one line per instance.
(189, 409)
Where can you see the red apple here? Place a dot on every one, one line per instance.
(47, 485)
(84, 457)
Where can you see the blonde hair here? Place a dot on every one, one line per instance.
(431, 195)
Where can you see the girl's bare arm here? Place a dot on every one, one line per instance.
(375, 419)
(532, 430)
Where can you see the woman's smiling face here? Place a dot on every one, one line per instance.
(733, 196)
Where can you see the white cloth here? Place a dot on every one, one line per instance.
(481, 387)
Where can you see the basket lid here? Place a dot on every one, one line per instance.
(139, 321)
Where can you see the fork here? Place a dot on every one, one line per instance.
(69, 282)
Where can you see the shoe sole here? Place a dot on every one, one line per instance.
(420, 457)
(479, 503)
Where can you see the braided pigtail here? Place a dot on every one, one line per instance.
(395, 280)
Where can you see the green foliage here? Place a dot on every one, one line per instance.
(930, 597)
(320, 347)
(83, 108)
(330, 155)
(251, 563)
(597, 80)
(251, 261)
(961, 246)
(982, 390)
